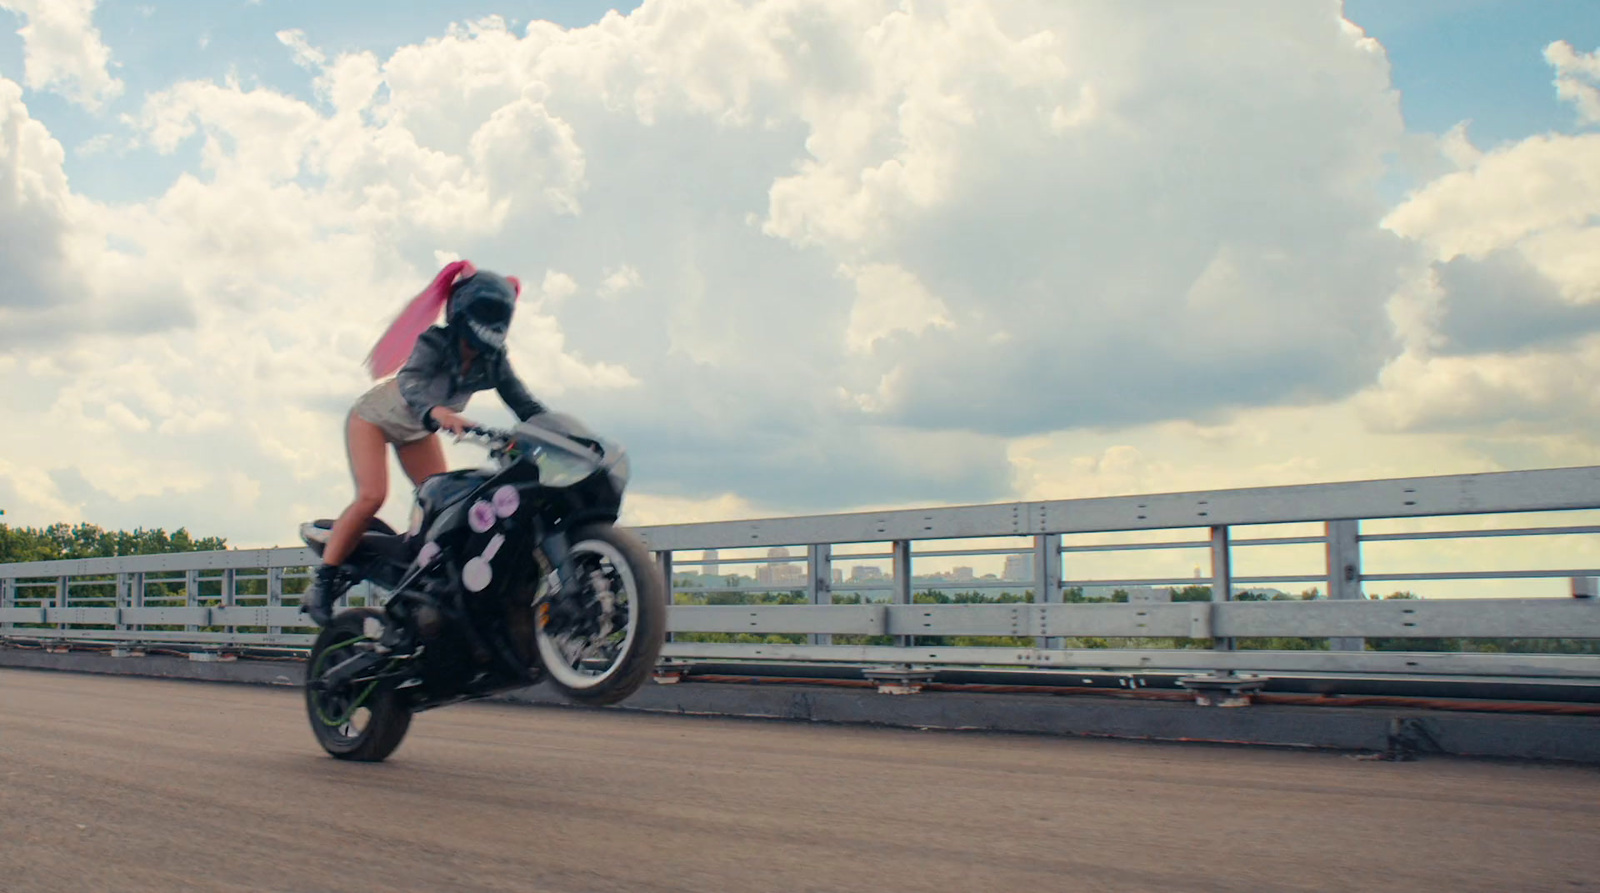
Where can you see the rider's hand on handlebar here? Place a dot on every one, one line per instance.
(452, 421)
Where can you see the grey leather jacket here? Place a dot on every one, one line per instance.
(432, 376)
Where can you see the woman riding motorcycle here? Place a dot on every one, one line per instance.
(443, 367)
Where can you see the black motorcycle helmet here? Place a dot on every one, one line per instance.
(480, 310)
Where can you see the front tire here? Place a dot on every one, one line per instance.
(364, 721)
(603, 645)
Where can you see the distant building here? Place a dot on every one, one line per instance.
(1018, 567)
(961, 574)
(777, 571)
(838, 575)
(709, 566)
(865, 573)
(780, 575)
(1148, 595)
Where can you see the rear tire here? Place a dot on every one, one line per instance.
(364, 721)
(623, 563)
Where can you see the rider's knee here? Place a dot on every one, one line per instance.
(368, 501)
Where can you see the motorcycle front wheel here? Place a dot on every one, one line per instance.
(600, 644)
(364, 720)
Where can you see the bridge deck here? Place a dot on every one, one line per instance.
(125, 784)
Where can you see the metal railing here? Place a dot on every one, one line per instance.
(1043, 619)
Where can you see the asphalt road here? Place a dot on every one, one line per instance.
(115, 784)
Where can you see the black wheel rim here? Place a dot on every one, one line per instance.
(342, 712)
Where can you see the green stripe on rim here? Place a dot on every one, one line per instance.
(316, 671)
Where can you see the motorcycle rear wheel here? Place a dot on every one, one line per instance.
(604, 669)
(364, 721)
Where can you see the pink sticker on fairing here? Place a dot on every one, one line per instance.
(506, 501)
(480, 517)
(494, 546)
(427, 554)
(477, 575)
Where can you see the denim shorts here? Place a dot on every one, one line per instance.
(383, 406)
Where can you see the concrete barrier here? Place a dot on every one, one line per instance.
(1396, 733)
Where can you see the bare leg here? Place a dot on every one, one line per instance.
(422, 459)
(369, 467)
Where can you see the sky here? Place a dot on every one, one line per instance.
(801, 256)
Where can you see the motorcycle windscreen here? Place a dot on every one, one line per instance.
(559, 423)
(562, 461)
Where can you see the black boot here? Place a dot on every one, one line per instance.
(329, 583)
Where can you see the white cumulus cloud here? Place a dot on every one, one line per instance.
(889, 300)
(64, 52)
(1577, 78)
(798, 254)
(1503, 327)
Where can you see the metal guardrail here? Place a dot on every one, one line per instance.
(248, 598)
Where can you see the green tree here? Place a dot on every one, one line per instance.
(59, 541)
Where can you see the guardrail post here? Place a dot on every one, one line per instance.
(1221, 580)
(191, 595)
(819, 588)
(124, 598)
(137, 590)
(1344, 574)
(664, 562)
(230, 592)
(274, 595)
(63, 596)
(901, 594)
(1047, 579)
(8, 598)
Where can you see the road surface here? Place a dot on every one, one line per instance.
(120, 784)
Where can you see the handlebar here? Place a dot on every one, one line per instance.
(497, 439)
(492, 436)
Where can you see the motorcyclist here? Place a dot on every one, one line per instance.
(439, 369)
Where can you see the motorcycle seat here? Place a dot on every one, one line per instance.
(376, 525)
(380, 539)
(391, 546)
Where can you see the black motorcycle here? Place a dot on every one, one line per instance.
(509, 575)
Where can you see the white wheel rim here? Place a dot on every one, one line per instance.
(556, 654)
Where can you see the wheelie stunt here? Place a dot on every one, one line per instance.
(508, 574)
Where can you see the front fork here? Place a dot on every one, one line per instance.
(563, 576)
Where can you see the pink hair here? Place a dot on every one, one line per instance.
(423, 311)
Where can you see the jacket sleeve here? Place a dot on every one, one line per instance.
(427, 362)
(515, 393)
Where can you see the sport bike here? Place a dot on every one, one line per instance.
(511, 574)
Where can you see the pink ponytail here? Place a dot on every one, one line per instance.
(392, 349)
